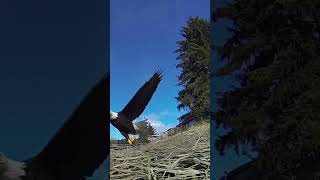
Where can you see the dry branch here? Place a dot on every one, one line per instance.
(185, 155)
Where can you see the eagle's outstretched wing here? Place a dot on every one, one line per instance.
(82, 144)
(141, 99)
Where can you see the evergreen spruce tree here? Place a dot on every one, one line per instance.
(194, 60)
(277, 110)
(145, 131)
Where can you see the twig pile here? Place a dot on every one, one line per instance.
(185, 155)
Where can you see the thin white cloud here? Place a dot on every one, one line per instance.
(171, 114)
(156, 120)
(164, 113)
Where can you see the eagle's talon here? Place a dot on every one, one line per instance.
(131, 139)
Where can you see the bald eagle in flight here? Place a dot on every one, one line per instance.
(78, 148)
(123, 120)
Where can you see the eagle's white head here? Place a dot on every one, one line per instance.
(10, 169)
(113, 115)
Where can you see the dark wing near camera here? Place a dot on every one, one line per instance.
(82, 144)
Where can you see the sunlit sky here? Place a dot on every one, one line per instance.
(143, 38)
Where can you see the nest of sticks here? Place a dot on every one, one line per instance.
(184, 155)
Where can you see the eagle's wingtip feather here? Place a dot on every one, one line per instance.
(159, 73)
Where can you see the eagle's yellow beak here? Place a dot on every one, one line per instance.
(131, 138)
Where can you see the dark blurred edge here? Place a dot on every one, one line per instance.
(108, 71)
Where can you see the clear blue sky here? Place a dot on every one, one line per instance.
(143, 38)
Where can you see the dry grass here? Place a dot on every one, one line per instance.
(185, 155)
